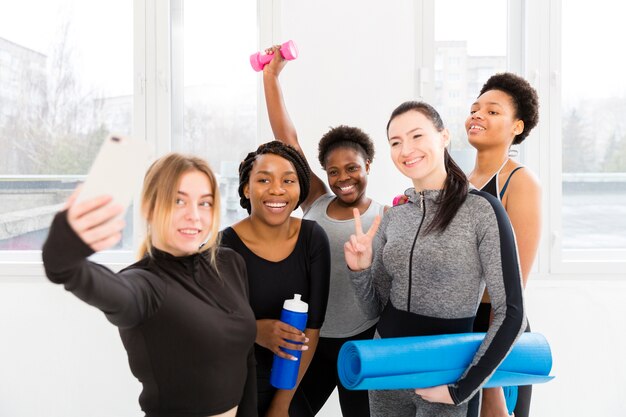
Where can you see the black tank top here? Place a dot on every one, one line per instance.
(493, 185)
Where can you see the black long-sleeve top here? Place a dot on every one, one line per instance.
(305, 271)
(188, 329)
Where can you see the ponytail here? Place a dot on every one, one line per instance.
(453, 195)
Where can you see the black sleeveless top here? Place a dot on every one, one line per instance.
(492, 185)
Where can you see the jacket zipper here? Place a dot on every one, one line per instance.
(423, 208)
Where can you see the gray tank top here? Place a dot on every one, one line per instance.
(344, 317)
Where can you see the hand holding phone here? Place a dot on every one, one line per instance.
(117, 171)
(96, 209)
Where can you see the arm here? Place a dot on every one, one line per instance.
(364, 256)
(124, 301)
(523, 206)
(282, 398)
(281, 123)
(493, 403)
(498, 258)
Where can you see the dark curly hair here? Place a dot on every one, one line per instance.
(524, 98)
(345, 137)
(285, 151)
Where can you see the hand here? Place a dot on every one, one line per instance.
(277, 63)
(439, 394)
(358, 250)
(493, 403)
(273, 334)
(95, 221)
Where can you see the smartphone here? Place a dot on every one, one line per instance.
(118, 170)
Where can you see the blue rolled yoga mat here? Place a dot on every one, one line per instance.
(428, 361)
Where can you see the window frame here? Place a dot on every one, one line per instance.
(527, 52)
(14, 263)
(528, 55)
(579, 263)
(156, 33)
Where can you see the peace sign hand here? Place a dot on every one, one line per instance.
(358, 250)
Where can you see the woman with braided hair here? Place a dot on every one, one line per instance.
(284, 256)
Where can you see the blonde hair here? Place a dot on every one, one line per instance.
(160, 188)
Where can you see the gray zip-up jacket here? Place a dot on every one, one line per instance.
(440, 277)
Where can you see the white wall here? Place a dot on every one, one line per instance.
(351, 70)
(584, 323)
(59, 357)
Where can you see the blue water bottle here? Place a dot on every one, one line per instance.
(285, 371)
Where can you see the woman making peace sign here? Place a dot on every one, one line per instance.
(425, 270)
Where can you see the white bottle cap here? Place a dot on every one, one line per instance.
(296, 304)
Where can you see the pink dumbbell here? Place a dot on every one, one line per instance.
(288, 50)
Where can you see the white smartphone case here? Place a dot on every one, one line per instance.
(118, 170)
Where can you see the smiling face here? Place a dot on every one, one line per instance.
(347, 171)
(492, 121)
(191, 217)
(273, 189)
(417, 149)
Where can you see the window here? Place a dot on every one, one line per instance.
(65, 87)
(593, 132)
(159, 73)
(467, 54)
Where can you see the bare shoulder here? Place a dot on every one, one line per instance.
(242, 228)
(241, 224)
(523, 193)
(523, 181)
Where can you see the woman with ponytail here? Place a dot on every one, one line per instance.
(425, 268)
(182, 310)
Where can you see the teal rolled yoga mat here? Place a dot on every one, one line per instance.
(428, 361)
